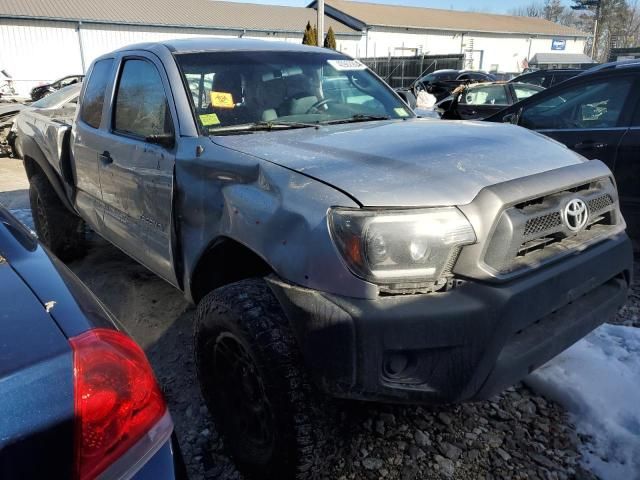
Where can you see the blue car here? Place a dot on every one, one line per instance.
(79, 399)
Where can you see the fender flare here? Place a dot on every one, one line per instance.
(31, 151)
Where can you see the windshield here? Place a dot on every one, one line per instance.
(244, 88)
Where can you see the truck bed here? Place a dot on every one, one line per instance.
(50, 130)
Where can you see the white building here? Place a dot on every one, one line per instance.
(42, 40)
(487, 41)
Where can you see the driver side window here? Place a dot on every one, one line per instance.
(141, 107)
(596, 105)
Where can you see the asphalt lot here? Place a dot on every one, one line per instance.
(515, 435)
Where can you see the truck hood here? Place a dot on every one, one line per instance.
(416, 162)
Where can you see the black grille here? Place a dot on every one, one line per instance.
(533, 231)
(600, 203)
(553, 220)
(542, 223)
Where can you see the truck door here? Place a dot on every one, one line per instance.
(89, 139)
(136, 170)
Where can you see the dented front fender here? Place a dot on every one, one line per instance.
(279, 214)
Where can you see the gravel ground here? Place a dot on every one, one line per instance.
(517, 435)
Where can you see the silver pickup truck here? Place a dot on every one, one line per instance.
(336, 245)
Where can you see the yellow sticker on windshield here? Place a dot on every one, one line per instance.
(401, 112)
(222, 100)
(209, 119)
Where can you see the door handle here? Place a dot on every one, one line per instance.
(590, 146)
(105, 158)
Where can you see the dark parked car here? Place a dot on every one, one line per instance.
(79, 398)
(43, 90)
(442, 82)
(596, 114)
(547, 78)
(484, 99)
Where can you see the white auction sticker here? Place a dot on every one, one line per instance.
(346, 65)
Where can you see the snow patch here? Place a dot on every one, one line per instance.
(598, 381)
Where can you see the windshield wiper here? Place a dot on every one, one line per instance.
(261, 126)
(357, 118)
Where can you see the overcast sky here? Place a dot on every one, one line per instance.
(495, 6)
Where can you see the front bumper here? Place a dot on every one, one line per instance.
(465, 344)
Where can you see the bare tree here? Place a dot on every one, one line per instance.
(628, 30)
(619, 22)
(553, 10)
(611, 24)
(534, 9)
(549, 10)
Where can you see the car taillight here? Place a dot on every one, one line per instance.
(117, 400)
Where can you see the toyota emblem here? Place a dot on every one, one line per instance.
(575, 215)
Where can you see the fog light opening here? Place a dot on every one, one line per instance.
(396, 365)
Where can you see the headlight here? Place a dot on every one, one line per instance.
(399, 246)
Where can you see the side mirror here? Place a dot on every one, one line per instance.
(513, 117)
(166, 140)
(509, 118)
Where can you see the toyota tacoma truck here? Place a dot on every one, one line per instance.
(336, 245)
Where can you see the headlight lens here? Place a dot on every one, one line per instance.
(399, 246)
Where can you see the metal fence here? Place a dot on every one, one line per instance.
(402, 71)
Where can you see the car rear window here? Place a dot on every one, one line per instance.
(93, 99)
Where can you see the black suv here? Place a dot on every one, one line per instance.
(596, 114)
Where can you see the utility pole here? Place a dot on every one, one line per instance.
(587, 5)
(320, 23)
(595, 31)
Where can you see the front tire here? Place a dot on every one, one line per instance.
(254, 384)
(58, 229)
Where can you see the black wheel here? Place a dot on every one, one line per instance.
(252, 379)
(58, 229)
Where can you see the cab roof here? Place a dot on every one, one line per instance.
(207, 44)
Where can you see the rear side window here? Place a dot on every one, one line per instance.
(490, 95)
(141, 107)
(538, 79)
(93, 99)
(592, 105)
(523, 91)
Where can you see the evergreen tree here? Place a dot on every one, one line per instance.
(314, 36)
(330, 39)
(308, 34)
